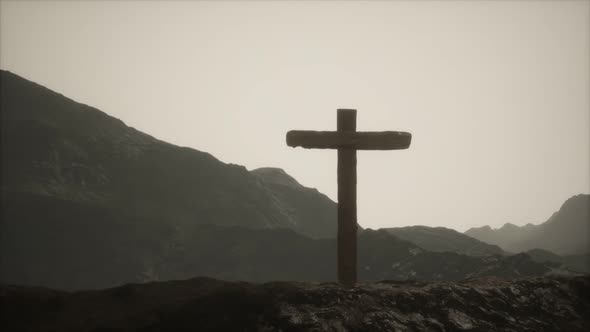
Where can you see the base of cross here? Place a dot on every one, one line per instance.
(347, 140)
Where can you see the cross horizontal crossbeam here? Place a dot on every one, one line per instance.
(347, 140)
(355, 140)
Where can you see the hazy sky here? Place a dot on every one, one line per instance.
(495, 93)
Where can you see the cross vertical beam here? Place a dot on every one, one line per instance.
(347, 140)
(347, 217)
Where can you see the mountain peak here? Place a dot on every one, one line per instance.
(508, 226)
(479, 229)
(276, 175)
(579, 199)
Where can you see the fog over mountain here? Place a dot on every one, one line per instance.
(566, 232)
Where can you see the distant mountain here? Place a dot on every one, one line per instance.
(567, 232)
(264, 255)
(540, 255)
(578, 263)
(441, 239)
(504, 236)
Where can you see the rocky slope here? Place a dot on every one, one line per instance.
(483, 304)
(441, 239)
(567, 232)
(57, 148)
(299, 205)
(90, 202)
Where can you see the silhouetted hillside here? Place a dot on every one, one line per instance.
(443, 239)
(301, 207)
(83, 191)
(567, 232)
(55, 147)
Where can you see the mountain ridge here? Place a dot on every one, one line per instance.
(442, 239)
(565, 232)
(55, 146)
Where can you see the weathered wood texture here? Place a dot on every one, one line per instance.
(347, 223)
(358, 140)
(347, 140)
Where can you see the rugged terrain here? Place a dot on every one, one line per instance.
(483, 304)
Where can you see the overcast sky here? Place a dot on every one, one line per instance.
(495, 94)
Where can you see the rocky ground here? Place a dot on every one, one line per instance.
(203, 304)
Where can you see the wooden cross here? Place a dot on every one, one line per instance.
(347, 140)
